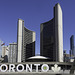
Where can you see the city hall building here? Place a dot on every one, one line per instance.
(50, 61)
(25, 42)
(51, 36)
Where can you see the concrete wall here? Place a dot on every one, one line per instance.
(59, 32)
(19, 39)
(12, 53)
(32, 74)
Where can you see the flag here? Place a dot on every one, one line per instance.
(2, 44)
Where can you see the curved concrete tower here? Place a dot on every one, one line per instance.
(58, 31)
(25, 42)
(51, 36)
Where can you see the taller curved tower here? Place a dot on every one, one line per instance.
(25, 42)
(51, 36)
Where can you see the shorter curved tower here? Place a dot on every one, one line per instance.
(25, 42)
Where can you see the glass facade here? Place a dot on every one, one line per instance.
(29, 45)
(47, 40)
(72, 45)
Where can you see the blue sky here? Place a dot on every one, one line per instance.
(34, 12)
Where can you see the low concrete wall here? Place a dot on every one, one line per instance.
(32, 74)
